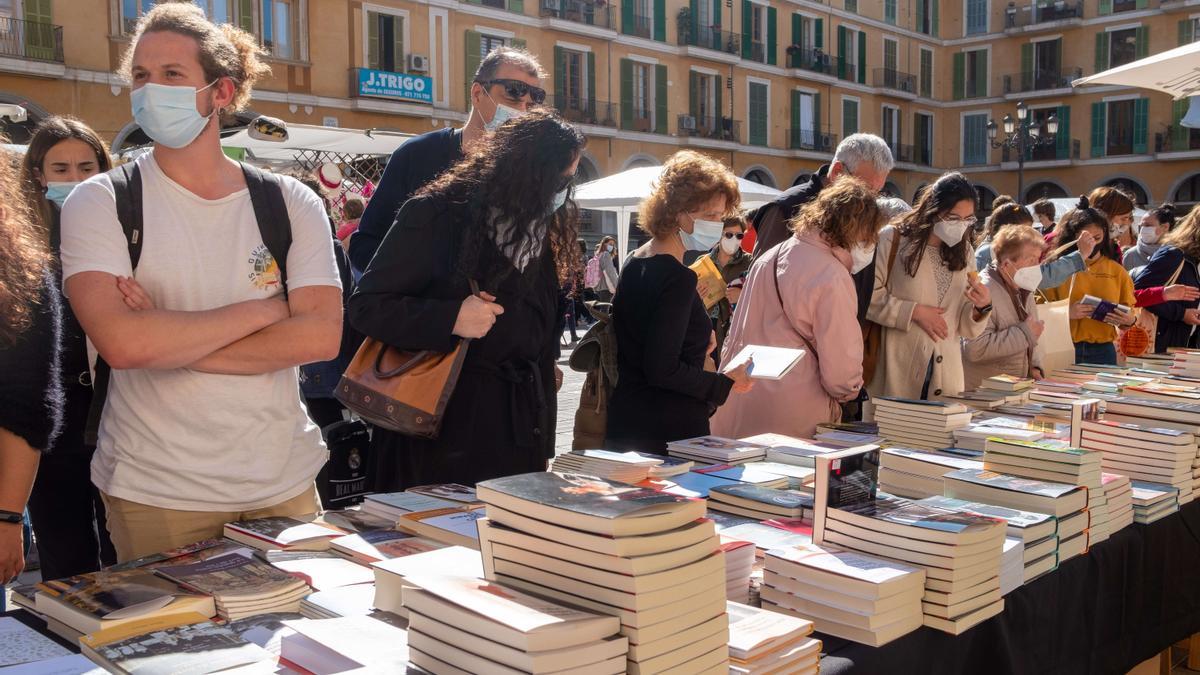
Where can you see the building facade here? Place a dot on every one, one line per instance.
(767, 86)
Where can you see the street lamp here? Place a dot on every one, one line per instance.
(1022, 134)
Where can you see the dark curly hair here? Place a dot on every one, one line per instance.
(511, 176)
(24, 257)
(1073, 222)
(936, 201)
(1165, 215)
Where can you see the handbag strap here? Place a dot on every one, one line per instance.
(418, 358)
(892, 259)
(783, 305)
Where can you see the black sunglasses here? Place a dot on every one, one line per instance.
(731, 235)
(517, 90)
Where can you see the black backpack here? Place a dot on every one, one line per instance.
(274, 225)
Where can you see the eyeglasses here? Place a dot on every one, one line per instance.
(517, 90)
(955, 220)
(731, 235)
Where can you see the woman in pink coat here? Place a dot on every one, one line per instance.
(800, 295)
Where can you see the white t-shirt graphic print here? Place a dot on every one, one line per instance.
(183, 439)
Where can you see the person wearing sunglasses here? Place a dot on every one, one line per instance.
(506, 84)
(928, 294)
(733, 263)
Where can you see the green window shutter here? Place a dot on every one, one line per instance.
(959, 75)
(694, 94)
(245, 12)
(1062, 142)
(797, 29)
(627, 20)
(398, 42)
(660, 20)
(560, 77)
(1179, 133)
(694, 6)
(591, 84)
(1101, 51)
(1106, 6)
(372, 40)
(517, 43)
(471, 59)
(795, 126)
(926, 74)
(716, 12)
(772, 25)
(1099, 132)
(516, 6)
(981, 74)
(758, 114)
(1141, 122)
(862, 57)
(626, 94)
(719, 83)
(1141, 4)
(39, 32)
(747, 27)
(934, 9)
(1142, 34)
(1027, 65)
(920, 15)
(660, 99)
(817, 119)
(841, 52)
(1185, 32)
(818, 33)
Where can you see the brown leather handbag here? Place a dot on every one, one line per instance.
(402, 391)
(873, 332)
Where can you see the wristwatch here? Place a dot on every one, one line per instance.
(10, 517)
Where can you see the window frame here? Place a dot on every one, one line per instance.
(963, 157)
(857, 102)
(403, 15)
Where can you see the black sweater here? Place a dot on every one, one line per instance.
(663, 392)
(31, 395)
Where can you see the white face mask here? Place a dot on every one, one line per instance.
(861, 255)
(704, 236)
(1148, 235)
(1118, 230)
(1028, 278)
(608, 248)
(730, 245)
(950, 231)
(503, 114)
(560, 198)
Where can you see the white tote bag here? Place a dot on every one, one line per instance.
(1058, 350)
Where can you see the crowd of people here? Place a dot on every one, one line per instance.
(169, 355)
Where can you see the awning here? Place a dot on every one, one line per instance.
(302, 137)
(1175, 72)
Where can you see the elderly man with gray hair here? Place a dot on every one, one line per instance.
(867, 157)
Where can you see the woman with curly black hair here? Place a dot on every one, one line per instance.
(501, 218)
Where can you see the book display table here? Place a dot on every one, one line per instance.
(1128, 599)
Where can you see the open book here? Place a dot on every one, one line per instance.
(770, 363)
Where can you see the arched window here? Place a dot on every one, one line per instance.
(761, 177)
(1044, 190)
(1132, 187)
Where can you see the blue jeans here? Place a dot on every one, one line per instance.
(1097, 353)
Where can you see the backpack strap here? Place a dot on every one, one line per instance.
(270, 210)
(127, 192)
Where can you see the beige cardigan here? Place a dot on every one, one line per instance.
(906, 350)
(1007, 344)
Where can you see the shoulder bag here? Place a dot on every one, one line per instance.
(399, 390)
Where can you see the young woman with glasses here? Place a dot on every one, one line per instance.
(930, 297)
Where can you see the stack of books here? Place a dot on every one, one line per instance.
(1166, 391)
(917, 474)
(625, 467)
(357, 600)
(477, 626)
(847, 439)
(1151, 361)
(647, 557)
(798, 477)
(390, 575)
(1036, 533)
(1144, 453)
(707, 450)
(281, 534)
(790, 450)
(759, 503)
(372, 546)
(393, 506)
(1067, 503)
(1012, 565)
(240, 584)
(195, 646)
(926, 425)
(1119, 493)
(761, 641)
(1007, 383)
(740, 557)
(983, 399)
(960, 552)
(857, 597)
(1153, 501)
(1181, 416)
(769, 534)
(448, 526)
(1057, 462)
(975, 436)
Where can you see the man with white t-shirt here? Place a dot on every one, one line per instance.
(203, 422)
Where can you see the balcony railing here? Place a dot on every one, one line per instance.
(845, 70)
(1040, 80)
(640, 121)
(581, 110)
(1045, 153)
(578, 11)
(1042, 12)
(716, 128)
(811, 139)
(1177, 139)
(815, 60)
(758, 52)
(912, 154)
(710, 37)
(641, 27)
(31, 40)
(889, 78)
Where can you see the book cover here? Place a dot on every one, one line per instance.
(716, 446)
(113, 595)
(634, 458)
(411, 502)
(694, 483)
(846, 563)
(710, 284)
(853, 480)
(212, 546)
(769, 363)
(935, 407)
(920, 514)
(461, 523)
(586, 495)
(510, 607)
(449, 491)
(282, 530)
(383, 544)
(235, 573)
(1014, 517)
(193, 648)
(762, 495)
(744, 473)
(1012, 483)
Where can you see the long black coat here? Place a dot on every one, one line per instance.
(500, 419)
(1172, 331)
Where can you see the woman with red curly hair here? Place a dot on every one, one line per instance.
(665, 390)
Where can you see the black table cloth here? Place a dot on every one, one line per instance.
(1120, 604)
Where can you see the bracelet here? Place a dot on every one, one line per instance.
(10, 517)
(985, 309)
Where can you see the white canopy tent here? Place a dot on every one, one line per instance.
(306, 137)
(1175, 72)
(1064, 204)
(622, 193)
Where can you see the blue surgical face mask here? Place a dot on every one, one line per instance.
(168, 114)
(560, 198)
(503, 114)
(57, 192)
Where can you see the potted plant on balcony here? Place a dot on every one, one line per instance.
(684, 20)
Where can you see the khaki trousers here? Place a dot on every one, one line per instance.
(139, 529)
